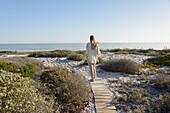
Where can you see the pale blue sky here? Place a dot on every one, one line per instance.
(72, 21)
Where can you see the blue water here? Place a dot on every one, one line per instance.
(80, 46)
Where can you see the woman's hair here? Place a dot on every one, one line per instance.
(94, 44)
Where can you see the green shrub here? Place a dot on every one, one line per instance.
(144, 50)
(115, 50)
(10, 67)
(17, 96)
(27, 70)
(56, 53)
(63, 53)
(136, 94)
(35, 54)
(162, 82)
(7, 52)
(160, 60)
(162, 104)
(122, 52)
(138, 111)
(76, 57)
(165, 51)
(80, 52)
(121, 65)
(43, 54)
(71, 91)
(23, 62)
(100, 60)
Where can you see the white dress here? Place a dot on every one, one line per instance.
(92, 54)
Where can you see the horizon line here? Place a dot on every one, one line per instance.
(78, 42)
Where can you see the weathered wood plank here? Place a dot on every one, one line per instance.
(102, 97)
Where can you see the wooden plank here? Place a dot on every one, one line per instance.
(102, 97)
(105, 111)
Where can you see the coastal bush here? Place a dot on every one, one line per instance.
(63, 53)
(100, 60)
(43, 54)
(164, 51)
(80, 52)
(55, 53)
(19, 62)
(18, 96)
(71, 91)
(136, 94)
(138, 110)
(117, 51)
(113, 50)
(160, 60)
(34, 54)
(162, 82)
(144, 50)
(10, 67)
(76, 57)
(27, 70)
(8, 52)
(162, 104)
(137, 51)
(121, 65)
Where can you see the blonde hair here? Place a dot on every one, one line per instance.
(94, 44)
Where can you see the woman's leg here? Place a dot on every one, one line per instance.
(91, 70)
(93, 67)
(94, 71)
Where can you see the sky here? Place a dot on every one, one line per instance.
(73, 21)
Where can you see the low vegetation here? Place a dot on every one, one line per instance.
(100, 60)
(150, 94)
(162, 104)
(121, 65)
(80, 52)
(71, 91)
(76, 57)
(56, 89)
(7, 66)
(160, 60)
(26, 69)
(161, 82)
(133, 98)
(136, 95)
(21, 61)
(18, 96)
(56, 53)
(138, 51)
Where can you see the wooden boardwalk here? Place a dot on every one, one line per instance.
(102, 97)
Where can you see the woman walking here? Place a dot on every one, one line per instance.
(92, 53)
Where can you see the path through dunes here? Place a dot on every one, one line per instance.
(102, 97)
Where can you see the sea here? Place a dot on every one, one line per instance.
(81, 46)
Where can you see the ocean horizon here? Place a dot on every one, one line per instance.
(26, 47)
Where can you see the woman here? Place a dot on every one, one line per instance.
(92, 52)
